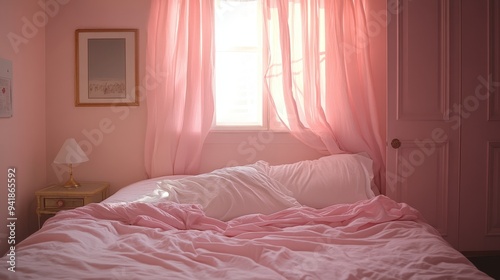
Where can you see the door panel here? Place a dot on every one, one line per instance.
(423, 83)
(494, 61)
(425, 164)
(423, 93)
(493, 206)
(480, 133)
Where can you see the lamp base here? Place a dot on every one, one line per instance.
(71, 183)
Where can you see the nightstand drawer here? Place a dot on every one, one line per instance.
(62, 203)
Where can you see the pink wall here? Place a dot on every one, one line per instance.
(22, 137)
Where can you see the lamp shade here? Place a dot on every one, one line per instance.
(70, 153)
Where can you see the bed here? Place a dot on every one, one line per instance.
(317, 219)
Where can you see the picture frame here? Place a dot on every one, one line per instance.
(106, 67)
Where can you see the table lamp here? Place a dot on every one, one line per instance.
(71, 153)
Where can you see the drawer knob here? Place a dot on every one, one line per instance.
(60, 203)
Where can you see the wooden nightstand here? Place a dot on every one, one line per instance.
(56, 197)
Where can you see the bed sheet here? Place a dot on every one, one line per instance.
(370, 239)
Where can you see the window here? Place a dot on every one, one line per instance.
(239, 102)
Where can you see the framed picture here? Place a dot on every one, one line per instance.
(5, 88)
(106, 67)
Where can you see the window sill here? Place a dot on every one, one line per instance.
(238, 136)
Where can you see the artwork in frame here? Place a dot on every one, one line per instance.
(106, 67)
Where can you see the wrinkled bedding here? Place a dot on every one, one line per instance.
(375, 238)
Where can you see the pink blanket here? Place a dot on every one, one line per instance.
(371, 239)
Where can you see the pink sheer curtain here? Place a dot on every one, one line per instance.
(318, 75)
(179, 85)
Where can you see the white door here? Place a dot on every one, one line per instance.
(480, 130)
(423, 86)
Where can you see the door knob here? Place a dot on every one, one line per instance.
(395, 143)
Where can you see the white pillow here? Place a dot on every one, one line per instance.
(341, 178)
(230, 192)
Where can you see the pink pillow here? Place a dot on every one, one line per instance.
(341, 178)
(230, 192)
